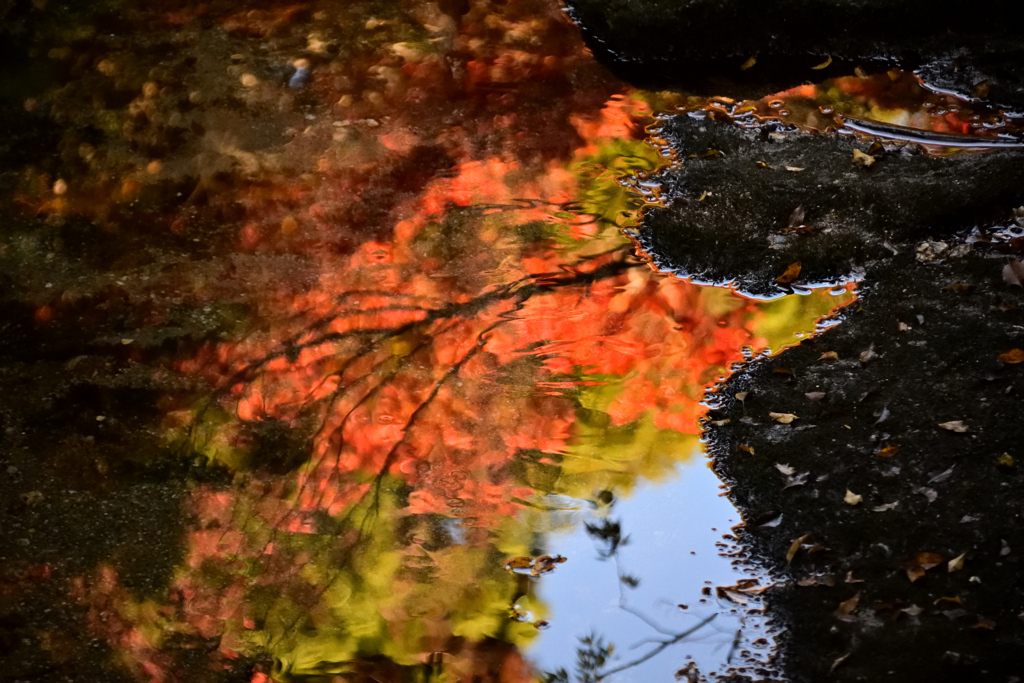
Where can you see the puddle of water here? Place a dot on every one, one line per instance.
(677, 536)
(893, 107)
(391, 326)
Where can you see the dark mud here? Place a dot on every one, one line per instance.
(745, 49)
(921, 348)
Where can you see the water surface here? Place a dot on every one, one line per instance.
(330, 344)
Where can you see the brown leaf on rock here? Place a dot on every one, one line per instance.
(957, 426)
(741, 395)
(869, 355)
(1013, 273)
(888, 451)
(1013, 356)
(829, 355)
(928, 560)
(783, 418)
(745, 448)
(791, 273)
(956, 564)
(919, 564)
(914, 573)
(848, 606)
(794, 547)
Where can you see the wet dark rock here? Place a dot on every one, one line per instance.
(703, 47)
(917, 358)
(738, 211)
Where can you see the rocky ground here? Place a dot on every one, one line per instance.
(876, 464)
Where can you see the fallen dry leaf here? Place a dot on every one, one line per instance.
(838, 661)
(734, 596)
(519, 563)
(1005, 460)
(1013, 273)
(888, 451)
(796, 218)
(957, 426)
(941, 476)
(792, 271)
(745, 448)
(794, 169)
(1013, 356)
(847, 606)
(749, 63)
(814, 395)
(784, 418)
(819, 67)
(852, 498)
(914, 573)
(928, 493)
(986, 624)
(862, 159)
(829, 355)
(869, 355)
(956, 564)
(913, 610)
(785, 469)
(957, 600)
(798, 480)
(794, 547)
(886, 507)
(928, 560)
(742, 395)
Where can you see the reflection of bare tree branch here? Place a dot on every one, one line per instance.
(523, 288)
(593, 653)
(368, 341)
(636, 662)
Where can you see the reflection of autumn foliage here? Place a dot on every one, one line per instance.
(465, 331)
(896, 97)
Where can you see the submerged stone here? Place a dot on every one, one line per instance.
(742, 48)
